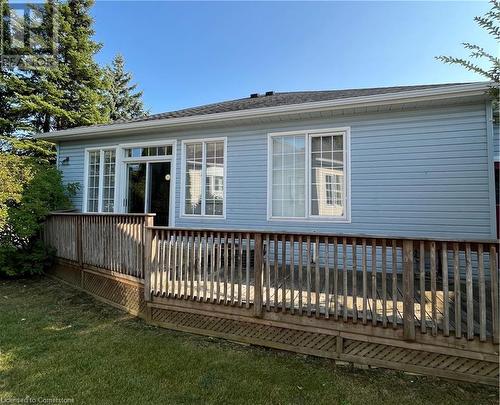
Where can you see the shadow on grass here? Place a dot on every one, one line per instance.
(56, 341)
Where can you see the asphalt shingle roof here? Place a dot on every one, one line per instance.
(281, 99)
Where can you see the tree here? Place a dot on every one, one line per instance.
(16, 119)
(491, 23)
(67, 92)
(124, 102)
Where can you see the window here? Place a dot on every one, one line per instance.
(100, 190)
(109, 181)
(308, 175)
(93, 181)
(204, 178)
(327, 172)
(289, 187)
(165, 150)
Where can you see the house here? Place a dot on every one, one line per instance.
(402, 161)
(357, 225)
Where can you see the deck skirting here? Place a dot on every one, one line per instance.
(311, 340)
(117, 290)
(460, 359)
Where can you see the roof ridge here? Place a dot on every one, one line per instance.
(377, 88)
(283, 99)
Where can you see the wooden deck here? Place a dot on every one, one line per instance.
(387, 311)
(368, 300)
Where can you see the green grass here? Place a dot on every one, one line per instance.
(57, 342)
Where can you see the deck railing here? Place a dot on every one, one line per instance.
(212, 267)
(113, 242)
(441, 287)
(434, 287)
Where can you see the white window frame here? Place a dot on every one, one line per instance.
(308, 135)
(124, 147)
(203, 141)
(123, 161)
(101, 151)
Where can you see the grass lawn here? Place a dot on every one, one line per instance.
(57, 342)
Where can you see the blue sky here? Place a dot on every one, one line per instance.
(190, 53)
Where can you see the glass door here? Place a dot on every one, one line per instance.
(148, 189)
(158, 200)
(136, 187)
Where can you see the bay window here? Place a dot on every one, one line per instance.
(308, 172)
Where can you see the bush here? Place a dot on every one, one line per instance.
(31, 188)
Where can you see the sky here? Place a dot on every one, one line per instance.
(183, 54)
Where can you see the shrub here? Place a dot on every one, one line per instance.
(30, 189)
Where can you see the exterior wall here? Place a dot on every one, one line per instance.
(496, 142)
(413, 173)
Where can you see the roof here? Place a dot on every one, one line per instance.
(271, 106)
(285, 98)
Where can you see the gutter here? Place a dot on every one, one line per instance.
(440, 93)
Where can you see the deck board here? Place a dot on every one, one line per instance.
(283, 287)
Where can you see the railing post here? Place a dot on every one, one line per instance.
(494, 293)
(257, 264)
(408, 291)
(79, 249)
(147, 252)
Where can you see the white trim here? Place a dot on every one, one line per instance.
(148, 159)
(100, 195)
(436, 93)
(119, 205)
(101, 150)
(85, 179)
(145, 143)
(121, 174)
(182, 208)
(157, 158)
(173, 184)
(308, 135)
(491, 168)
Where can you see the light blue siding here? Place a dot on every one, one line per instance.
(413, 173)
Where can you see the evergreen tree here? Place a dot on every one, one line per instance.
(9, 117)
(67, 92)
(124, 102)
(64, 93)
(491, 23)
(16, 120)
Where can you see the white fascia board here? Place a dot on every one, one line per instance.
(439, 93)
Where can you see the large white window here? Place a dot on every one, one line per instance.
(288, 176)
(100, 181)
(204, 177)
(308, 175)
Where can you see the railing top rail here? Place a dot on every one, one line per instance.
(325, 234)
(99, 214)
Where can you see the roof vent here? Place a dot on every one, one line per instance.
(254, 95)
(269, 93)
